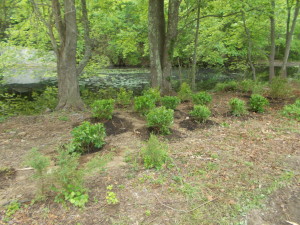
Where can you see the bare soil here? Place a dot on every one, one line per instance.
(221, 172)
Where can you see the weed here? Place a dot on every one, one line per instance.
(64, 118)
(237, 106)
(148, 213)
(160, 119)
(11, 209)
(200, 113)
(185, 92)
(170, 102)
(292, 111)
(111, 197)
(258, 103)
(201, 98)
(224, 124)
(103, 109)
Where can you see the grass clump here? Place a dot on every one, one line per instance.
(143, 104)
(201, 98)
(160, 119)
(124, 97)
(185, 92)
(258, 103)
(200, 113)
(238, 107)
(170, 102)
(292, 110)
(155, 153)
(279, 88)
(226, 86)
(103, 109)
(88, 136)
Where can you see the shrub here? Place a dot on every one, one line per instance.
(279, 88)
(237, 107)
(170, 102)
(143, 104)
(201, 98)
(185, 92)
(258, 102)
(259, 88)
(48, 99)
(246, 85)
(107, 93)
(88, 136)
(200, 113)
(155, 153)
(152, 93)
(103, 109)
(124, 97)
(292, 111)
(160, 119)
(227, 86)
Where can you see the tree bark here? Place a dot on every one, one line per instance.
(272, 40)
(283, 71)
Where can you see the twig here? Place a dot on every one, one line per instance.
(24, 169)
(292, 223)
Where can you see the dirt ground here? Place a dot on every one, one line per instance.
(230, 170)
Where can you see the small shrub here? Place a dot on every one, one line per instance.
(201, 98)
(200, 113)
(258, 103)
(292, 111)
(185, 92)
(170, 102)
(279, 88)
(160, 119)
(124, 97)
(238, 107)
(103, 109)
(259, 88)
(155, 153)
(227, 86)
(88, 136)
(143, 104)
(152, 93)
(111, 197)
(246, 85)
(107, 93)
(48, 99)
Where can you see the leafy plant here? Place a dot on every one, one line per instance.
(201, 98)
(237, 106)
(170, 102)
(185, 92)
(200, 113)
(88, 136)
(11, 209)
(143, 104)
(103, 109)
(226, 86)
(279, 88)
(124, 97)
(152, 93)
(258, 103)
(111, 197)
(160, 119)
(154, 153)
(292, 110)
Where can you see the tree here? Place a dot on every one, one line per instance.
(272, 40)
(63, 18)
(162, 39)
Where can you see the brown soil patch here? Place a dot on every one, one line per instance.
(144, 134)
(191, 124)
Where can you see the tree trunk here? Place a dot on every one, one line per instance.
(272, 39)
(283, 71)
(194, 69)
(288, 20)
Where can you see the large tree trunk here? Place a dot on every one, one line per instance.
(289, 41)
(272, 39)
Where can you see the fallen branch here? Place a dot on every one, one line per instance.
(24, 169)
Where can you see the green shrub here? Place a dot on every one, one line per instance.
(107, 93)
(124, 97)
(279, 88)
(227, 86)
(48, 99)
(160, 119)
(170, 102)
(143, 104)
(152, 93)
(103, 109)
(185, 92)
(259, 88)
(246, 85)
(88, 136)
(155, 153)
(200, 113)
(237, 106)
(258, 103)
(201, 98)
(292, 111)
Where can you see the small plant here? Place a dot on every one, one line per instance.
(11, 209)
(200, 113)
(226, 86)
(185, 92)
(237, 106)
(152, 93)
(143, 104)
(170, 102)
(258, 103)
(64, 118)
(201, 98)
(124, 97)
(279, 88)
(103, 109)
(246, 85)
(155, 153)
(111, 197)
(160, 119)
(292, 111)
(88, 136)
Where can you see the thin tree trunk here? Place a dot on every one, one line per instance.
(288, 20)
(272, 39)
(180, 72)
(194, 69)
(283, 72)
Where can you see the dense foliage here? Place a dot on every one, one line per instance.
(160, 119)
